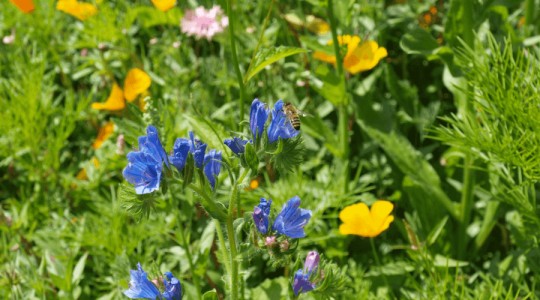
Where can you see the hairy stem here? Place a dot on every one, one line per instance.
(221, 238)
(208, 199)
(235, 57)
(259, 42)
(185, 243)
(380, 268)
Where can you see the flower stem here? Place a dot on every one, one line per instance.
(529, 12)
(185, 243)
(380, 268)
(343, 113)
(235, 58)
(208, 199)
(223, 247)
(259, 42)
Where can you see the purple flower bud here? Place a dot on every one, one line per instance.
(312, 262)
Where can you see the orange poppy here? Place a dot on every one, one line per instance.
(137, 81)
(164, 5)
(104, 133)
(114, 102)
(81, 11)
(26, 6)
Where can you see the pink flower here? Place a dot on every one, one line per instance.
(285, 246)
(204, 23)
(9, 38)
(153, 41)
(84, 52)
(176, 44)
(270, 241)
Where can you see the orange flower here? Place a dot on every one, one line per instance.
(81, 11)
(164, 5)
(82, 173)
(137, 81)
(359, 57)
(104, 133)
(359, 220)
(26, 6)
(114, 102)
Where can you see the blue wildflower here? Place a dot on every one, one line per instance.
(173, 289)
(237, 145)
(180, 152)
(260, 215)
(144, 168)
(292, 219)
(301, 278)
(212, 166)
(280, 125)
(140, 286)
(258, 117)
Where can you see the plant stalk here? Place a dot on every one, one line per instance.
(343, 113)
(529, 12)
(467, 196)
(223, 246)
(185, 243)
(235, 57)
(208, 199)
(380, 268)
(259, 42)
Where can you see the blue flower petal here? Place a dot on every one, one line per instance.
(180, 153)
(173, 289)
(260, 215)
(153, 137)
(280, 125)
(211, 166)
(140, 286)
(301, 281)
(143, 171)
(292, 219)
(257, 118)
(237, 145)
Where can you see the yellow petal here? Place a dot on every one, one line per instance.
(137, 81)
(114, 102)
(364, 57)
(164, 5)
(95, 161)
(357, 220)
(324, 57)
(104, 133)
(26, 6)
(82, 175)
(379, 213)
(81, 11)
(384, 226)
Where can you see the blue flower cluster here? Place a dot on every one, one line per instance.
(141, 288)
(145, 165)
(290, 221)
(302, 281)
(279, 126)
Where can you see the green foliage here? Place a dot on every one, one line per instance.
(267, 56)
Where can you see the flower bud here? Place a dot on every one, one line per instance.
(285, 246)
(270, 241)
(312, 262)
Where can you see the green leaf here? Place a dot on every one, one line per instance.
(212, 295)
(207, 238)
(419, 41)
(210, 133)
(59, 282)
(272, 289)
(279, 148)
(292, 154)
(313, 44)
(328, 85)
(441, 261)
(149, 16)
(434, 234)
(251, 158)
(267, 56)
(79, 268)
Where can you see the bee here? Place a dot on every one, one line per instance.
(293, 115)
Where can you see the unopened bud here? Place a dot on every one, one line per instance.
(270, 241)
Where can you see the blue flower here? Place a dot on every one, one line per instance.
(144, 168)
(153, 138)
(180, 152)
(212, 166)
(237, 145)
(258, 117)
(292, 219)
(280, 125)
(140, 286)
(260, 215)
(173, 289)
(301, 278)
(301, 281)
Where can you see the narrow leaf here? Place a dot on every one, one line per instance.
(268, 56)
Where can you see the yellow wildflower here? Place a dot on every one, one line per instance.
(82, 173)
(359, 57)
(114, 102)
(164, 5)
(104, 133)
(81, 11)
(26, 6)
(317, 25)
(359, 220)
(137, 81)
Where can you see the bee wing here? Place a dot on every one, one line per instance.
(303, 114)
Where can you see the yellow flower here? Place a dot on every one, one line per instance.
(164, 5)
(114, 102)
(358, 220)
(104, 133)
(81, 11)
(82, 173)
(359, 57)
(137, 81)
(317, 25)
(26, 6)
